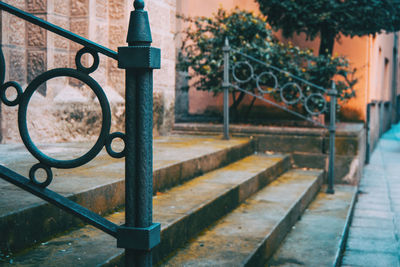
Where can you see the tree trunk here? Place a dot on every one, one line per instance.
(327, 41)
(249, 108)
(233, 110)
(326, 48)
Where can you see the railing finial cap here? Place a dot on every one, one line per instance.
(138, 4)
(333, 91)
(226, 41)
(139, 26)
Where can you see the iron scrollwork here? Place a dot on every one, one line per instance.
(23, 98)
(289, 93)
(294, 91)
(139, 235)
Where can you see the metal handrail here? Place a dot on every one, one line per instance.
(58, 30)
(236, 83)
(60, 201)
(139, 235)
(278, 69)
(322, 93)
(279, 106)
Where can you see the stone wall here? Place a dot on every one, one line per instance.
(163, 26)
(30, 51)
(379, 121)
(308, 147)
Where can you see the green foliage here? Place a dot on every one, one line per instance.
(202, 52)
(328, 18)
(205, 37)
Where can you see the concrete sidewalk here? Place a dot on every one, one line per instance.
(374, 233)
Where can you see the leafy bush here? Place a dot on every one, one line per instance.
(202, 53)
(328, 19)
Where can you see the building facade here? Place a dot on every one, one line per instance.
(375, 59)
(64, 109)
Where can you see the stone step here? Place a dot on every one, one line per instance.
(318, 238)
(99, 185)
(183, 211)
(251, 233)
(309, 146)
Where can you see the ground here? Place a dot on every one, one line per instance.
(374, 232)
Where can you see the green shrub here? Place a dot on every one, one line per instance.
(202, 52)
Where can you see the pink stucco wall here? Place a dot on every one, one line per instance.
(366, 54)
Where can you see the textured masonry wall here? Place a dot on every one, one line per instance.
(162, 15)
(65, 109)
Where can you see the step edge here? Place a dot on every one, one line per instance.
(245, 149)
(186, 127)
(277, 168)
(284, 163)
(61, 217)
(117, 180)
(345, 232)
(296, 207)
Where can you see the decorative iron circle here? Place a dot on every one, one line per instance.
(78, 60)
(49, 173)
(109, 149)
(246, 64)
(2, 67)
(269, 73)
(3, 90)
(309, 102)
(298, 91)
(106, 118)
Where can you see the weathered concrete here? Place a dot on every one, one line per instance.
(370, 259)
(194, 156)
(99, 185)
(182, 211)
(249, 235)
(309, 146)
(347, 168)
(343, 129)
(316, 237)
(221, 191)
(374, 233)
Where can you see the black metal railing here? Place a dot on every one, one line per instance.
(139, 234)
(294, 91)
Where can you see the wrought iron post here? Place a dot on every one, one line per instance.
(139, 235)
(332, 131)
(139, 59)
(225, 86)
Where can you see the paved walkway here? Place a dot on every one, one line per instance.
(375, 230)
